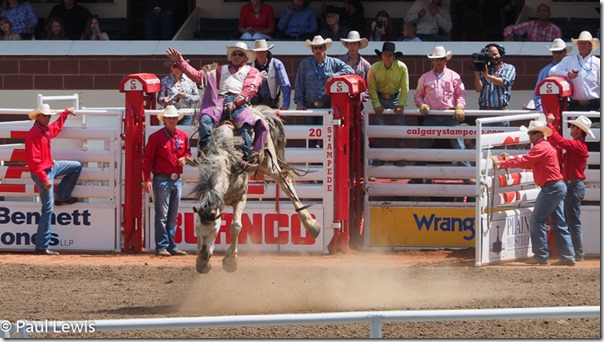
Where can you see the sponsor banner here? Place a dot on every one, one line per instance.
(421, 227)
(74, 227)
(263, 230)
(506, 236)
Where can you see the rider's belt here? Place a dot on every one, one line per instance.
(173, 176)
(550, 183)
(387, 96)
(224, 96)
(585, 103)
(573, 181)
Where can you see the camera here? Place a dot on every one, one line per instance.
(379, 23)
(481, 60)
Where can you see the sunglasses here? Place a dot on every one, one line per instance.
(533, 132)
(174, 65)
(439, 59)
(238, 54)
(558, 52)
(320, 47)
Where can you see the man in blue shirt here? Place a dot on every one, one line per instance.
(559, 50)
(298, 21)
(274, 78)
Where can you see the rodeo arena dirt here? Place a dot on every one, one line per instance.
(450, 252)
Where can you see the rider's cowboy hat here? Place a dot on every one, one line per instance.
(586, 36)
(168, 64)
(43, 109)
(318, 40)
(240, 46)
(260, 45)
(538, 126)
(559, 45)
(388, 47)
(169, 112)
(439, 52)
(354, 36)
(584, 124)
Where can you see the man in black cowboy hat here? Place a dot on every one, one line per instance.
(388, 83)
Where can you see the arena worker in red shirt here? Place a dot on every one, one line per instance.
(256, 21)
(543, 160)
(44, 170)
(574, 162)
(165, 155)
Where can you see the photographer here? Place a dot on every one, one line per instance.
(494, 81)
(381, 28)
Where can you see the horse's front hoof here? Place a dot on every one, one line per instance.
(229, 264)
(313, 228)
(203, 265)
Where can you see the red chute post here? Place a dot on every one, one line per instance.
(345, 94)
(141, 91)
(554, 92)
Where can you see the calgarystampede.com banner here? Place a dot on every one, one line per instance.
(48, 327)
(449, 132)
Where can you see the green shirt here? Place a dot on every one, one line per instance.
(388, 81)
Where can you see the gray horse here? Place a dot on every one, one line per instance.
(222, 182)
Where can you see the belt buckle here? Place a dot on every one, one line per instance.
(174, 176)
(584, 102)
(157, 9)
(318, 104)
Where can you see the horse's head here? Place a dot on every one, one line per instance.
(210, 208)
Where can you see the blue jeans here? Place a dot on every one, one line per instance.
(186, 120)
(166, 198)
(572, 209)
(550, 203)
(439, 120)
(206, 125)
(399, 120)
(70, 170)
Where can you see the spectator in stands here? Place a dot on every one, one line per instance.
(178, 90)
(6, 30)
(352, 15)
(332, 28)
(388, 83)
(543, 161)
(159, 16)
(409, 30)
(54, 29)
(93, 30)
(353, 43)
(256, 21)
(22, 17)
(74, 18)
(574, 163)
(44, 169)
(229, 89)
(559, 50)
(494, 83)
(441, 88)
(165, 155)
(540, 30)
(298, 21)
(312, 77)
(274, 78)
(381, 28)
(433, 19)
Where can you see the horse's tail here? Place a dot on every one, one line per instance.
(277, 133)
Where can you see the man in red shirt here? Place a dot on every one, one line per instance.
(543, 160)
(165, 155)
(44, 170)
(574, 162)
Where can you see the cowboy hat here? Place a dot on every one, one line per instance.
(439, 52)
(239, 46)
(586, 36)
(43, 109)
(169, 112)
(260, 45)
(318, 40)
(559, 45)
(388, 47)
(538, 126)
(168, 63)
(584, 124)
(354, 36)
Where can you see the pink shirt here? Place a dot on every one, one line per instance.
(444, 91)
(542, 159)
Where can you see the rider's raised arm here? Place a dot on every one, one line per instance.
(195, 75)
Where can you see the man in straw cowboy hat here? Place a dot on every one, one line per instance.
(165, 155)
(559, 50)
(574, 162)
(441, 88)
(353, 43)
(230, 87)
(312, 77)
(583, 72)
(543, 160)
(44, 170)
(388, 83)
(274, 78)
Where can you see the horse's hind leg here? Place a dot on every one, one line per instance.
(230, 262)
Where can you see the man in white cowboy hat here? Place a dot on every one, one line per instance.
(583, 72)
(441, 88)
(312, 77)
(388, 84)
(165, 155)
(178, 90)
(574, 162)
(543, 160)
(559, 50)
(353, 43)
(274, 78)
(230, 87)
(44, 170)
